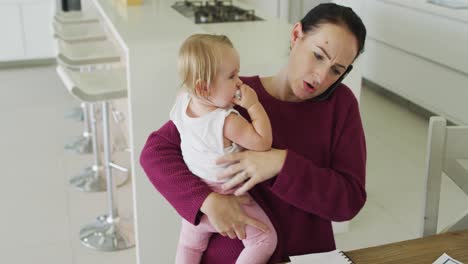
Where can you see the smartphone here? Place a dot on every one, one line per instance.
(324, 96)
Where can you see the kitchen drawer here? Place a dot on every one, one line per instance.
(436, 38)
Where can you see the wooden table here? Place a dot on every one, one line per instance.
(417, 251)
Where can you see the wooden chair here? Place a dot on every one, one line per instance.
(447, 151)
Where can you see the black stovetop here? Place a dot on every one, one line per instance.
(203, 12)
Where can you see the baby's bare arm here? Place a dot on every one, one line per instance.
(256, 135)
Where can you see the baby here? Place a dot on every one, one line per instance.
(209, 128)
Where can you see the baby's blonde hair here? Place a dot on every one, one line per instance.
(199, 59)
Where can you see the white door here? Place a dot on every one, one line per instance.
(12, 43)
(37, 24)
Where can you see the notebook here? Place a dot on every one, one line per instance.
(332, 257)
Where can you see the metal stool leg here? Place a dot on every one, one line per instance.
(75, 114)
(86, 147)
(83, 144)
(86, 117)
(109, 232)
(92, 179)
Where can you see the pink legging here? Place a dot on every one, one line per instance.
(258, 249)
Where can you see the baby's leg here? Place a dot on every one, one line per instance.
(193, 241)
(259, 246)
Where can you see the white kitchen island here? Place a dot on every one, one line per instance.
(150, 36)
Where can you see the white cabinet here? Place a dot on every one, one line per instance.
(439, 39)
(420, 53)
(26, 30)
(37, 20)
(11, 44)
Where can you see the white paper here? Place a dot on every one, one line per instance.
(446, 259)
(332, 257)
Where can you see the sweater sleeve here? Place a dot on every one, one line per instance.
(161, 159)
(335, 193)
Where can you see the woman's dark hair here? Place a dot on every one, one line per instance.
(338, 15)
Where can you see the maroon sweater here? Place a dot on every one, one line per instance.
(322, 179)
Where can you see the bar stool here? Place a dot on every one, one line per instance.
(78, 32)
(83, 143)
(76, 17)
(75, 114)
(108, 232)
(84, 57)
(88, 56)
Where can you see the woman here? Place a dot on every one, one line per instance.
(315, 172)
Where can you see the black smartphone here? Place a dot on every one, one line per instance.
(324, 96)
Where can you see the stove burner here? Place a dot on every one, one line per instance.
(214, 11)
(187, 3)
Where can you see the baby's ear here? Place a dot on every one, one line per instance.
(201, 89)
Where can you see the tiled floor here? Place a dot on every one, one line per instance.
(396, 145)
(42, 214)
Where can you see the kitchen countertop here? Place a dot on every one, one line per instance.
(150, 36)
(155, 19)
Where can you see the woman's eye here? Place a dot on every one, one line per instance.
(336, 72)
(318, 56)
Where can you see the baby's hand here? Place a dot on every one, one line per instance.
(248, 97)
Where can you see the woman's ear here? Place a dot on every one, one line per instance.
(296, 33)
(201, 89)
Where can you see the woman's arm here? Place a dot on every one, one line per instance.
(336, 193)
(161, 159)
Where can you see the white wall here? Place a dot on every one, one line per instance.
(290, 10)
(298, 8)
(268, 7)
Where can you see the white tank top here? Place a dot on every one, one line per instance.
(202, 140)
